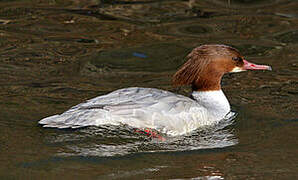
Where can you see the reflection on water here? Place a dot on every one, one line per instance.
(127, 174)
(122, 140)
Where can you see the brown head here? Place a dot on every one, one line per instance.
(207, 64)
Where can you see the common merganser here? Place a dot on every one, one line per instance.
(162, 110)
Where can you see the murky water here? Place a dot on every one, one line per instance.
(55, 54)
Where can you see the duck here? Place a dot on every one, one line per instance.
(164, 111)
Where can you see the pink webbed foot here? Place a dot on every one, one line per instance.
(150, 133)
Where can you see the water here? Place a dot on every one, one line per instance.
(59, 53)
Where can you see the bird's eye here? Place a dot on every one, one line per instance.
(238, 59)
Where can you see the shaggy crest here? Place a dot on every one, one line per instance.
(199, 58)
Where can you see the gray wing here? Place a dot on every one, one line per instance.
(133, 106)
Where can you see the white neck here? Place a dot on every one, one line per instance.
(215, 102)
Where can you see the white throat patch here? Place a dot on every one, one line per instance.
(237, 69)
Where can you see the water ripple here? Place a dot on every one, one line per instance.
(109, 141)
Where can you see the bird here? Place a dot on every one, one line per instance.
(152, 110)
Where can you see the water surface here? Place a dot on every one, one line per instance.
(56, 54)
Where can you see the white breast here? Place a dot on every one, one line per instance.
(145, 108)
(215, 102)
